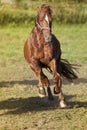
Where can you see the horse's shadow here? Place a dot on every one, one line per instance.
(34, 104)
(23, 105)
(34, 82)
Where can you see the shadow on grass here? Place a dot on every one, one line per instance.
(35, 82)
(33, 104)
(24, 82)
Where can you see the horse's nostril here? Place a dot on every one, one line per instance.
(47, 38)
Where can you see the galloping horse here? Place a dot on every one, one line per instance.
(42, 50)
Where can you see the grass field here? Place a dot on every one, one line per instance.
(20, 106)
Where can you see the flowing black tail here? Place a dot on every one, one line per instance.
(68, 70)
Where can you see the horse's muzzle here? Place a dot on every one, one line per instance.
(48, 38)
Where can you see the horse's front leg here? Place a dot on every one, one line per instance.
(38, 71)
(57, 80)
(43, 80)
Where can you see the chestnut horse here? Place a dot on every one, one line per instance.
(42, 50)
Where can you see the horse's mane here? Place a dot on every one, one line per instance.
(45, 8)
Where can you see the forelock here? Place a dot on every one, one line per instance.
(45, 8)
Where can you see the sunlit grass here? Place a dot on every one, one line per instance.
(72, 38)
(73, 42)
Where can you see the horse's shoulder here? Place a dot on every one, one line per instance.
(32, 38)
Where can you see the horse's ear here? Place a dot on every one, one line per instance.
(51, 10)
(37, 7)
(38, 11)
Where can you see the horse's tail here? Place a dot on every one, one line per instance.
(68, 70)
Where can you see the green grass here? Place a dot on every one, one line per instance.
(20, 106)
(73, 42)
(71, 37)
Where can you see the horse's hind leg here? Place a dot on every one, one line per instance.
(58, 83)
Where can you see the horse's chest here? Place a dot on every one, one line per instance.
(47, 53)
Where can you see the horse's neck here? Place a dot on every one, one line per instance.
(37, 37)
(37, 30)
(38, 34)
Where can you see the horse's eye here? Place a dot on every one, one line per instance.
(49, 13)
(41, 20)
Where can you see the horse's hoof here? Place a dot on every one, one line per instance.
(55, 91)
(63, 104)
(42, 92)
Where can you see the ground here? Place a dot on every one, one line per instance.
(20, 106)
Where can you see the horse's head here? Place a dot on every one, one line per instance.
(44, 22)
